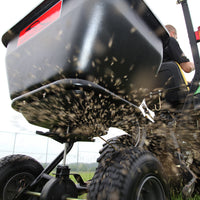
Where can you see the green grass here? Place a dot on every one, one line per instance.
(85, 176)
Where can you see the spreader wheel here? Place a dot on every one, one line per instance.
(16, 173)
(128, 173)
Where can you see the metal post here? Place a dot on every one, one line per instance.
(193, 44)
(65, 154)
(47, 148)
(77, 161)
(14, 143)
(65, 150)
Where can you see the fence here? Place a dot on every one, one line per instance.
(45, 149)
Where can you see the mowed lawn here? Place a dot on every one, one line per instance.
(88, 175)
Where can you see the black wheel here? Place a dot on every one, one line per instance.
(16, 172)
(128, 173)
(57, 188)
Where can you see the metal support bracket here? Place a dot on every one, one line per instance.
(146, 111)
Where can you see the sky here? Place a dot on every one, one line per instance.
(11, 11)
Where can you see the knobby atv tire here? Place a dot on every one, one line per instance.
(17, 166)
(127, 173)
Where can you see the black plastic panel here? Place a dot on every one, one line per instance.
(107, 42)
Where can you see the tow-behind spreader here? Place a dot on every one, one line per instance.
(79, 67)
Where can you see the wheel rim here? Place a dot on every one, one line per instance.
(16, 184)
(150, 189)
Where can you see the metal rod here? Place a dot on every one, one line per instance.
(65, 154)
(49, 168)
(52, 165)
(14, 143)
(65, 150)
(47, 148)
(193, 44)
(107, 142)
(46, 171)
(37, 194)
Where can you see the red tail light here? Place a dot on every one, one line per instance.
(197, 34)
